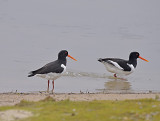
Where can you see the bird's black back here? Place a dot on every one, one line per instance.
(54, 67)
(122, 63)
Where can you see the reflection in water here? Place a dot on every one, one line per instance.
(116, 86)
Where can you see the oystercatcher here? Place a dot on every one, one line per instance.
(53, 70)
(120, 66)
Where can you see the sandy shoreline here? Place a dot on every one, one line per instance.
(14, 98)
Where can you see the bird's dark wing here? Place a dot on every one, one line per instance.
(119, 63)
(54, 67)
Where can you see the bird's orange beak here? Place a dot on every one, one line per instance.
(143, 59)
(72, 57)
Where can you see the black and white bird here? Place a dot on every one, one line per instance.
(53, 70)
(120, 66)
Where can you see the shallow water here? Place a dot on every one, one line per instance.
(33, 32)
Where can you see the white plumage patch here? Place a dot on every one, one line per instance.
(63, 66)
(49, 76)
(131, 66)
(116, 64)
(117, 69)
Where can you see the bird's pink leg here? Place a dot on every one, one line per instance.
(53, 86)
(115, 75)
(48, 86)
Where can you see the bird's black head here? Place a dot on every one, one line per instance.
(133, 55)
(62, 54)
(133, 58)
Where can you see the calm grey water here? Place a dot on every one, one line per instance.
(32, 32)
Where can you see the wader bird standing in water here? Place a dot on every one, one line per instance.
(120, 66)
(53, 70)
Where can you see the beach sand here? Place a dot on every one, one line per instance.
(14, 98)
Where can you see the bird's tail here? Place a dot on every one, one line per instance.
(31, 74)
(100, 59)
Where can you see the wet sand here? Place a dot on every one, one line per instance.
(14, 98)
